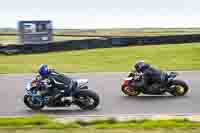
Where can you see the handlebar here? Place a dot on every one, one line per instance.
(136, 75)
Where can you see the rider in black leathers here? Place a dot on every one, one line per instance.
(152, 77)
(56, 81)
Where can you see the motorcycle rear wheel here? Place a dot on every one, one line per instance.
(87, 99)
(180, 88)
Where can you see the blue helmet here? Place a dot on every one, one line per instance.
(141, 66)
(43, 70)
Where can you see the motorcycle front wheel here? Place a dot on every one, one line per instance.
(127, 90)
(86, 99)
(32, 105)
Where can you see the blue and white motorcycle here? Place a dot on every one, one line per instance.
(37, 96)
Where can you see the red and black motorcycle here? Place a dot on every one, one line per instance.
(172, 86)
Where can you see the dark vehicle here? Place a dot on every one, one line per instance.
(37, 97)
(171, 85)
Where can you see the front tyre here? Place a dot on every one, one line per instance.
(32, 105)
(179, 88)
(86, 99)
(127, 90)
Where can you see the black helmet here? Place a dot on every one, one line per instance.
(140, 66)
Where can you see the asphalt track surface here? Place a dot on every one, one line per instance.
(113, 102)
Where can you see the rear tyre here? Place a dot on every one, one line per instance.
(179, 88)
(127, 90)
(29, 103)
(87, 99)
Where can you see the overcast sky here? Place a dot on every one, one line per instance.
(103, 13)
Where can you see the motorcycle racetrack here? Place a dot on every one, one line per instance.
(112, 100)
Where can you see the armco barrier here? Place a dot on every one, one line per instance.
(56, 46)
(155, 39)
(98, 43)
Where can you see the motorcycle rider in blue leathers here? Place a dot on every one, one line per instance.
(152, 77)
(56, 80)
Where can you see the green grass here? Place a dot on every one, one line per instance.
(86, 130)
(133, 32)
(38, 121)
(4, 38)
(8, 39)
(44, 122)
(167, 57)
(138, 124)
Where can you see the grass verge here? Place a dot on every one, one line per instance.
(167, 57)
(89, 130)
(44, 122)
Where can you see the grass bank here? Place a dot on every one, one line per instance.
(193, 130)
(45, 124)
(167, 57)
